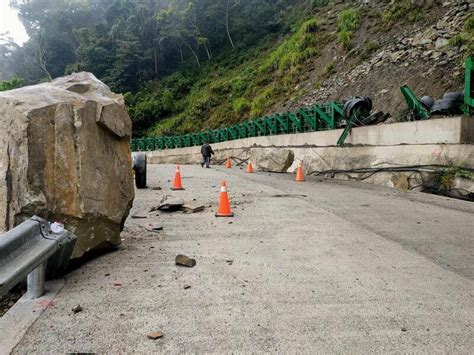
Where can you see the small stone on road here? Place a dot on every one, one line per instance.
(155, 335)
(185, 261)
(77, 309)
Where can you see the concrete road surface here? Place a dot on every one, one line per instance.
(319, 266)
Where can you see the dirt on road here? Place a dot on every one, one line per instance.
(316, 266)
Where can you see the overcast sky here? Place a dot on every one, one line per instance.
(9, 23)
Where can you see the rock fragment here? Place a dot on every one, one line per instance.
(77, 309)
(139, 216)
(155, 335)
(193, 207)
(154, 227)
(183, 260)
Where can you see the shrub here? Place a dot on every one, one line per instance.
(368, 49)
(465, 37)
(11, 84)
(469, 25)
(348, 21)
(293, 51)
(405, 10)
(262, 102)
(241, 106)
(239, 86)
(459, 40)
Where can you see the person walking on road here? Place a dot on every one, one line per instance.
(206, 151)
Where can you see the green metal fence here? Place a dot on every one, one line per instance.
(309, 119)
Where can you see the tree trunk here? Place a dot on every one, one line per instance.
(193, 52)
(208, 51)
(227, 25)
(181, 53)
(40, 53)
(155, 57)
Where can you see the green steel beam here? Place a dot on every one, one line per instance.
(469, 88)
(414, 104)
(260, 127)
(348, 128)
(309, 118)
(295, 122)
(282, 123)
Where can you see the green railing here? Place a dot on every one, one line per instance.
(309, 119)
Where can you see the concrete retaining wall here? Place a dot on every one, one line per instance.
(342, 158)
(420, 142)
(448, 141)
(452, 130)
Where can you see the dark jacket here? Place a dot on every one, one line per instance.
(206, 150)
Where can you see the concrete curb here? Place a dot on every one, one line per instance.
(16, 322)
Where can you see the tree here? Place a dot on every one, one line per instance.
(230, 4)
(128, 43)
(7, 48)
(11, 84)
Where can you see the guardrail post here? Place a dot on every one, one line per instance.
(35, 282)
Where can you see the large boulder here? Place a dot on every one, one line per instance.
(276, 160)
(65, 156)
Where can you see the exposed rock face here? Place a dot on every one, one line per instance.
(65, 155)
(276, 160)
(418, 55)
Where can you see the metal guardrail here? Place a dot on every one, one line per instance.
(308, 119)
(28, 250)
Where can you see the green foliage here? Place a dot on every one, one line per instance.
(469, 25)
(444, 178)
(293, 51)
(182, 65)
(406, 10)
(127, 43)
(348, 22)
(371, 47)
(241, 106)
(11, 84)
(239, 86)
(466, 37)
(157, 99)
(262, 101)
(167, 127)
(368, 49)
(458, 40)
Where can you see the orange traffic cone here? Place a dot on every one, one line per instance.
(299, 173)
(224, 205)
(228, 164)
(177, 180)
(250, 168)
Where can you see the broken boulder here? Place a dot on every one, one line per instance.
(276, 160)
(65, 156)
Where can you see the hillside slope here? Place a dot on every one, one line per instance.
(338, 50)
(387, 55)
